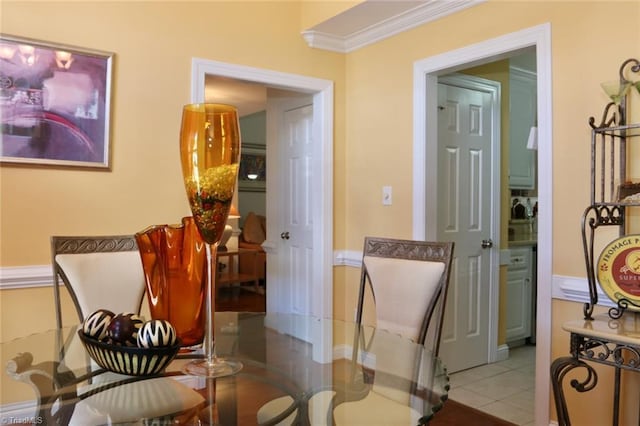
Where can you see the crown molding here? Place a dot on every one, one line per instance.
(322, 37)
(325, 41)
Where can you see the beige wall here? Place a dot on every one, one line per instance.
(586, 50)
(154, 44)
(379, 113)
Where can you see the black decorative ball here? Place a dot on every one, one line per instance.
(123, 329)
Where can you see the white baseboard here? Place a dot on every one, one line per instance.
(503, 353)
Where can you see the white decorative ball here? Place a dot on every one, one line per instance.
(156, 333)
(97, 323)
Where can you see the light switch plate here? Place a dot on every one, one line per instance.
(386, 196)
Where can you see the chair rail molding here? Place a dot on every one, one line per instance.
(351, 258)
(372, 21)
(14, 277)
(577, 290)
(572, 289)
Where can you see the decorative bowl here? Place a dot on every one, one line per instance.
(129, 360)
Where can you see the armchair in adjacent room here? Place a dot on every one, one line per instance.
(254, 232)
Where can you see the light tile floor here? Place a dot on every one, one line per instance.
(504, 389)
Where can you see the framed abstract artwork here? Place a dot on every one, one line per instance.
(54, 104)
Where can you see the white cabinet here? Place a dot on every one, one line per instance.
(519, 294)
(522, 116)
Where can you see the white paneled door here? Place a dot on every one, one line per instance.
(290, 285)
(297, 218)
(465, 216)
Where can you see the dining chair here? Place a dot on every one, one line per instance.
(99, 272)
(408, 281)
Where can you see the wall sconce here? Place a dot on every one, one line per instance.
(27, 54)
(252, 176)
(6, 51)
(64, 59)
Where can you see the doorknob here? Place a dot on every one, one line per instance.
(284, 235)
(487, 243)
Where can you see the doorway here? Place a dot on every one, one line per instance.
(321, 187)
(484, 165)
(426, 74)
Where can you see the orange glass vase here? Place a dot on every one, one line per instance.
(174, 261)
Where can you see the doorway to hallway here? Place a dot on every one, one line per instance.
(320, 187)
(426, 74)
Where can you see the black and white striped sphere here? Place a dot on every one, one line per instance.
(156, 333)
(97, 323)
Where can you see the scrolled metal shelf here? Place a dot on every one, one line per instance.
(559, 369)
(621, 306)
(616, 354)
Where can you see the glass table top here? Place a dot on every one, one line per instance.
(297, 369)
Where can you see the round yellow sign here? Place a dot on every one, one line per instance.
(619, 270)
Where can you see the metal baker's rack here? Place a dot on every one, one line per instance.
(610, 143)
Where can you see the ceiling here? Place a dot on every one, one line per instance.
(363, 24)
(248, 97)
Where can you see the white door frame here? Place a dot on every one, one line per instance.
(322, 186)
(425, 79)
(494, 88)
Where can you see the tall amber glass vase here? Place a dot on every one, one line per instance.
(210, 153)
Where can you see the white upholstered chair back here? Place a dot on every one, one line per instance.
(99, 272)
(409, 281)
